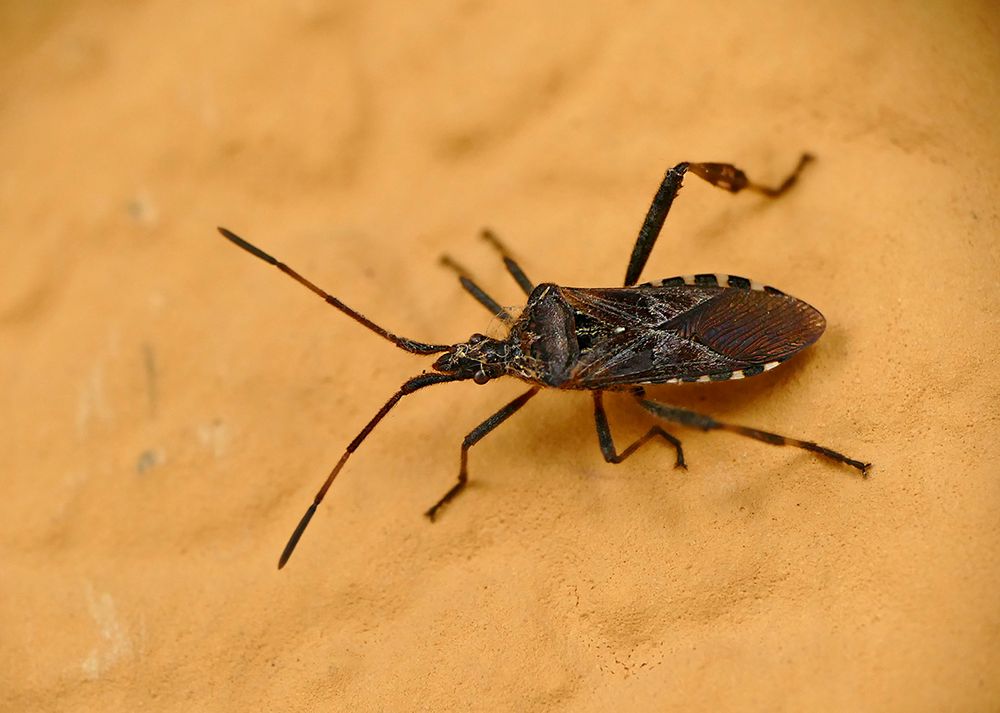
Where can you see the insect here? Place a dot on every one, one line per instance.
(706, 327)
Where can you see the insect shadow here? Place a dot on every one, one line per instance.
(694, 328)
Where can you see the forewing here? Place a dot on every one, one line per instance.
(654, 334)
(635, 306)
(755, 326)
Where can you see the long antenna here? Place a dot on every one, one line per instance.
(409, 345)
(417, 382)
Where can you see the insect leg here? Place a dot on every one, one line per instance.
(706, 423)
(476, 291)
(723, 175)
(414, 384)
(653, 222)
(732, 179)
(409, 345)
(512, 267)
(608, 444)
(472, 439)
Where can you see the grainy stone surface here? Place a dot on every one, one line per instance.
(171, 404)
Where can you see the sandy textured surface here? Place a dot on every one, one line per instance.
(171, 404)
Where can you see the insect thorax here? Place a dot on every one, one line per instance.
(543, 339)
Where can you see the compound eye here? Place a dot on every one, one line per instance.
(481, 377)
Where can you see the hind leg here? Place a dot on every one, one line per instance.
(722, 175)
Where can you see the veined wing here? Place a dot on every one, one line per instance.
(683, 329)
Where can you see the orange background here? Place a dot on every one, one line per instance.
(171, 404)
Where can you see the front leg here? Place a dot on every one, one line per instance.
(512, 267)
(477, 434)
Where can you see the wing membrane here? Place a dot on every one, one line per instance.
(652, 334)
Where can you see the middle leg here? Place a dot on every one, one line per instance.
(608, 444)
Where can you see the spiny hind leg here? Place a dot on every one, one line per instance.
(722, 175)
(706, 423)
(732, 179)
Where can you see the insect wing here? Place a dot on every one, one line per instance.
(655, 334)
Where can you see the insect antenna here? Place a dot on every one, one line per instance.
(414, 384)
(410, 345)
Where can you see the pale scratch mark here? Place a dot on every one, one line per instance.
(92, 403)
(156, 301)
(115, 643)
(214, 436)
(66, 494)
(149, 360)
(114, 343)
